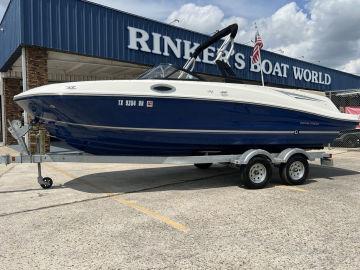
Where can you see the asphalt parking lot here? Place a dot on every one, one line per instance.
(106, 216)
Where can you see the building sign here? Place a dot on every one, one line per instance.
(158, 44)
(87, 29)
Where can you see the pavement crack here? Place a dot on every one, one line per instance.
(180, 182)
(54, 206)
(9, 169)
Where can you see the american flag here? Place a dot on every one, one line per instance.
(257, 47)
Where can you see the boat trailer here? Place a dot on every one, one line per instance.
(255, 164)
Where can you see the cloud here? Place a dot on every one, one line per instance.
(203, 19)
(153, 9)
(3, 5)
(353, 66)
(160, 9)
(325, 32)
(288, 25)
(242, 23)
(329, 32)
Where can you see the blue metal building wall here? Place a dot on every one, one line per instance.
(10, 36)
(80, 27)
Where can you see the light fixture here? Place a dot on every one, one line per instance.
(175, 21)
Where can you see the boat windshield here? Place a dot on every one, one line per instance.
(167, 71)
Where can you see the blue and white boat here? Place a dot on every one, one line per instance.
(170, 111)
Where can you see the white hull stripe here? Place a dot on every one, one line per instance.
(213, 131)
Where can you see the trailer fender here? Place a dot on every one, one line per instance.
(248, 155)
(286, 154)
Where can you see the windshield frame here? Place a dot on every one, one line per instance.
(167, 77)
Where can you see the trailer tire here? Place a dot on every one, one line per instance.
(257, 173)
(203, 166)
(295, 171)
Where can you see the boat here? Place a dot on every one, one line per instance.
(170, 111)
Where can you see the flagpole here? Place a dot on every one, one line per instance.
(261, 69)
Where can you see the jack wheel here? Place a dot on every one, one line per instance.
(257, 173)
(203, 166)
(295, 171)
(47, 183)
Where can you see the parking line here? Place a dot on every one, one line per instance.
(151, 213)
(131, 204)
(292, 188)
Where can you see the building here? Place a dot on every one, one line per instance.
(48, 41)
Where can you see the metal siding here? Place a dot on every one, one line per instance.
(10, 38)
(85, 28)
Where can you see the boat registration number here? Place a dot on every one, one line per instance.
(135, 103)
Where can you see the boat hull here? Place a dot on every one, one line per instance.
(160, 126)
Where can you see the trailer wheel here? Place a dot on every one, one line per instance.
(257, 173)
(47, 183)
(203, 166)
(295, 171)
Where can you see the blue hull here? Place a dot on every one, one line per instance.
(108, 125)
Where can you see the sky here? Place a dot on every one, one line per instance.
(325, 32)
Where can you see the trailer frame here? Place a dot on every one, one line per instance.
(18, 131)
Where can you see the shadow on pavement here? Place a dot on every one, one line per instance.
(317, 171)
(156, 179)
(164, 179)
(179, 178)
